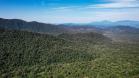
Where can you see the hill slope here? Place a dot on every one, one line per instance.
(123, 34)
(33, 26)
(85, 37)
(32, 55)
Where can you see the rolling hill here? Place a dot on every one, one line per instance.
(123, 34)
(33, 26)
(120, 31)
(33, 55)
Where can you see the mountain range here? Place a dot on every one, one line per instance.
(40, 50)
(105, 23)
(33, 26)
(121, 31)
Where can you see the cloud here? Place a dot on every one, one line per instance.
(67, 8)
(83, 16)
(123, 0)
(111, 4)
(117, 4)
(61, 8)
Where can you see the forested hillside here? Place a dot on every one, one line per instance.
(124, 34)
(117, 33)
(32, 55)
(18, 24)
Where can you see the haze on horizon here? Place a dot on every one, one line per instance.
(70, 11)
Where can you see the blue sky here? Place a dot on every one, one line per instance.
(70, 11)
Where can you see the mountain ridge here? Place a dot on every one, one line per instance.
(106, 23)
(33, 26)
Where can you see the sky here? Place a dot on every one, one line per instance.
(70, 11)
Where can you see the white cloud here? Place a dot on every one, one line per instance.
(117, 4)
(81, 16)
(105, 11)
(62, 8)
(112, 4)
(123, 0)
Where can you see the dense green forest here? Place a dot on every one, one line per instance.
(83, 55)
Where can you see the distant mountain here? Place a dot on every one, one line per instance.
(17, 24)
(103, 24)
(122, 34)
(33, 26)
(120, 31)
(82, 29)
(128, 23)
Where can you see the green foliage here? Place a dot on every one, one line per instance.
(32, 55)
